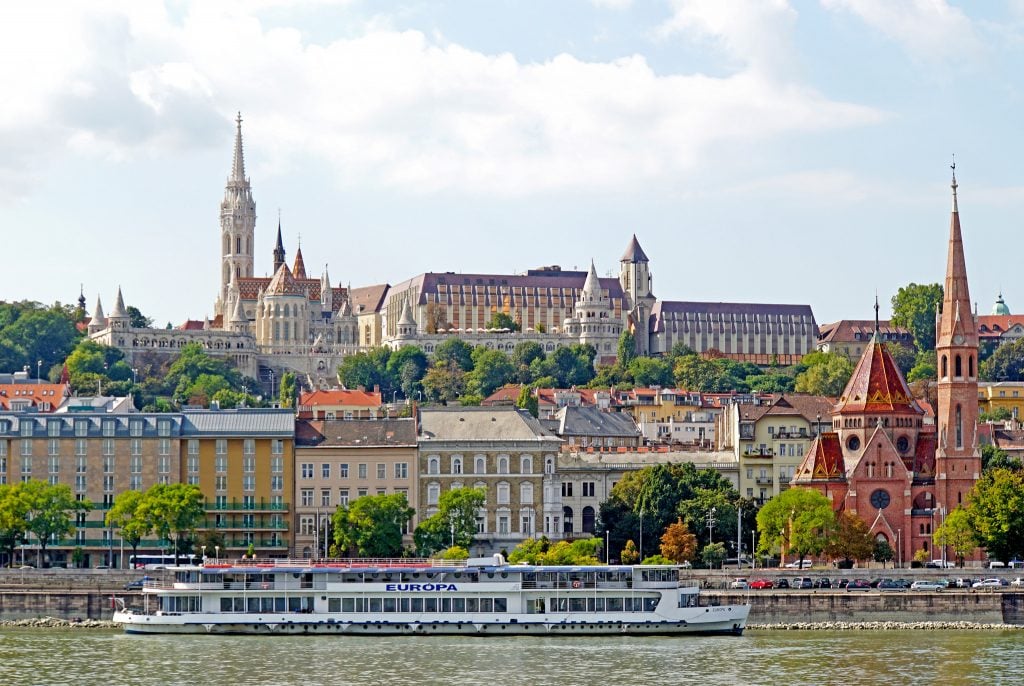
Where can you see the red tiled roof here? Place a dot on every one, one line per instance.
(995, 325)
(849, 329)
(506, 395)
(354, 398)
(34, 393)
(877, 386)
(824, 459)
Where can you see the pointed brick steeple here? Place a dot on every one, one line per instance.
(278, 248)
(957, 458)
(299, 270)
(238, 163)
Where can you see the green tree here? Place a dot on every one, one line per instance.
(826, 376)
(851, 540)
(924, 367)
(626, 349)
(650, 371)
(709, 375)
(995, 512)
(456, 552)
(523, 356)
(883, 552)
(527, 400)
(175, 511)
(491, 370)
(138, 320)
(774, 382)
(371, 526)
(51, 512)
(999, 414)
(124, 516)
(573, 365)
(501, 320)
(31, 333)
(1006, 363)
(997, 458)
(289, 390)
(713, 554)
(453, 524)
(904, 357)
(444, 383)
(364, 370)
(798, 520)
(914, 307)
(454, 350)
(956, 532)
(13, 519)
(582, 551)
(405, 368)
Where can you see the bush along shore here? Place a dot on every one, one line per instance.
(55, 623)
(884, 626)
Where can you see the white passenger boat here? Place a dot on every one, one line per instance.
(484, 596)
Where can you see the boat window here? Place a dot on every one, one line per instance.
(280, 603)
(430, 604)
(446, 604)
(334, 604)
(577, 604)
(391, 604)
(417, 605)
(486, 604)
(471, 604)
(347, 604)
(376, 605)
(614, 604)
(500, 605)
(458, 604)
(403, 605)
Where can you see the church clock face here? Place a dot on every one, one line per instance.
(958, 339)
(880, 499)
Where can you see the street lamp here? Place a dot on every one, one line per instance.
(203, 548)
(271, 372)
(39, 371)
(711, 525)
(216, 549)
(641, 534)
(135, 376)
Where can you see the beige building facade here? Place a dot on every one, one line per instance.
(339, 461)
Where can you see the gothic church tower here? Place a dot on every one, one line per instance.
(237, 226)
(958, 460)
(635, 277)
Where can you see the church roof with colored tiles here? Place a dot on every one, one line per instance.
(877, 386)
(249, 288)
(924, 454)
(824, 460)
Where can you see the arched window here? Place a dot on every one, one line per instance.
(526, 464)
(588, 520)
(958, 367)
(480, 466)
(434, 465)
(567, 520)
(503, 464)
(959, 427)
(433, 493)
(945, 367)
(549, 465)
(525, 493)
(970, 366)
(457, 464)
(238, 244)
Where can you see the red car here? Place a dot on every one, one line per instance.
(762, 583)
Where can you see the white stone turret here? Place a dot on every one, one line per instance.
(326, 292)
(593, 321)
(406, 323)
(237, 225)
(119, 318)
(98, 322)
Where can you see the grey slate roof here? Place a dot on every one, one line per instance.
(590, 421)
(249, 422)
(481, 424)
(358, 433)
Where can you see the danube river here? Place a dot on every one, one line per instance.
(52, 656)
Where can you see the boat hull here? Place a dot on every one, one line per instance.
(723, 621)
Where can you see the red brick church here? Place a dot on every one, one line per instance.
(881, 461)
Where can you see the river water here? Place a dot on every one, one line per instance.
(801, 658)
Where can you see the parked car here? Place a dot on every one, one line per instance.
(137, 584)
(890, 585)
(800, 564)
(822, 582)
(903, 583)
(989, 583)
(782, 583)
(1018, 582)
(803, 582)
(841, 583)
(939, 564)
(964, 582)
(858, 585)
(740, 584)
(759, 584)
(996, 564)
(927, 585)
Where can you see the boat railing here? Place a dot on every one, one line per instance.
(341, 563)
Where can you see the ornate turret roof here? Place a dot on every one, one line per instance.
(634, 253)
(238, 314)
(1000, 308)
(877, 385)
(299, 270)
(407, 319)
(119, 311)
(824, 460)
(98, 320)
(593, 282)
(238, 163)
(278, 248)
(284, 283)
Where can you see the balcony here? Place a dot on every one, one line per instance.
(783, 479)
(242, 506)
(802, 433)
(758, 452)
(763, 481)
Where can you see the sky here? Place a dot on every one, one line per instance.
(771, 151)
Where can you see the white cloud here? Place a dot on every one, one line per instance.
(612, 4)
(394, 108)
(930, 30)
(757, 34)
